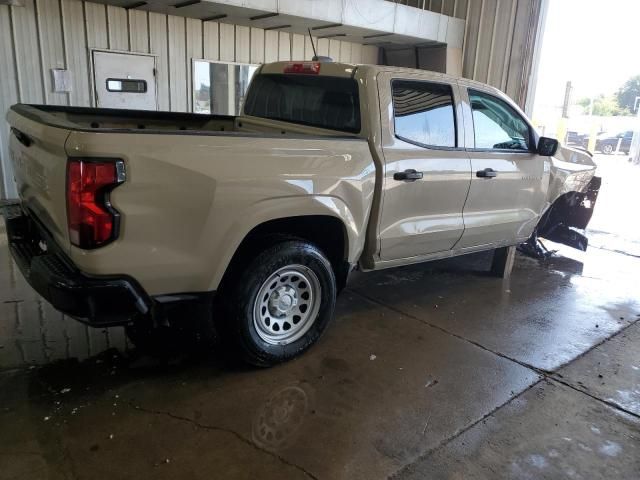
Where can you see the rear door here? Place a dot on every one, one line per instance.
(427, 172)
(509, 179)
(124, 80)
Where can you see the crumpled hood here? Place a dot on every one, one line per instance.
(571, 171)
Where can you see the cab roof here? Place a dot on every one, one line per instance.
(340, 69)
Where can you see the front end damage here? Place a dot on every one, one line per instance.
(575, 190)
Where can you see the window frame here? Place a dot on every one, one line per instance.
(453, 105)
(532, 137)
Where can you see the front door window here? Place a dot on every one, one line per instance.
(497, 126)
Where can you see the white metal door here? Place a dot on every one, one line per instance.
(124, 80)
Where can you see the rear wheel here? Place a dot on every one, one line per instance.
(608, 149)
(281, 304)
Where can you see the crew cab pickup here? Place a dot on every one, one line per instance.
(131, 217)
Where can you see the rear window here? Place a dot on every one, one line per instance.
(317, 101)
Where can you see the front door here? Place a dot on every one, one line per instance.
(509, 179)
(426, 172)
(124, 80)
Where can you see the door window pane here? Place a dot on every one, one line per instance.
(496, 124)
(424, 113)
(126, 85)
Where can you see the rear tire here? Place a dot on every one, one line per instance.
(280, 304)
(607, 149)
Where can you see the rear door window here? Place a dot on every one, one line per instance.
(317, 101)
(423, 113)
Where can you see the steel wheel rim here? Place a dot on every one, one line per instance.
(287, 305)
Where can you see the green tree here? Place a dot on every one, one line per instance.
(627, 94)
(604, 106)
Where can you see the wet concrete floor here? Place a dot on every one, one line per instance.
(429, 371)
(433, 371)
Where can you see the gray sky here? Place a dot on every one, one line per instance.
(593, 43)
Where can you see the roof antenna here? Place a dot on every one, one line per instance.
(317, 58)
(315, 54)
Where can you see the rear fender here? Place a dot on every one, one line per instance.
(295, 206)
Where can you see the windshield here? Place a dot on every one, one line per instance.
(317, 101)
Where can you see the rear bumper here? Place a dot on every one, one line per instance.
(96, 300)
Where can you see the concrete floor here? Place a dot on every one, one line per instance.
(430, 371)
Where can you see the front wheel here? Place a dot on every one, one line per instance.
(607, 149)
(281, 304)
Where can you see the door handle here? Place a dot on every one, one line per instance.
(487, 173)
(408, 175)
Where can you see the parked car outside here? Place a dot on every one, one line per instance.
(609, 144)
(575, 138)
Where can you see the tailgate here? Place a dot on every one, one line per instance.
(37, 152)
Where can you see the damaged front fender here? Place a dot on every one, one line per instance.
(573, 191)
(569, 213)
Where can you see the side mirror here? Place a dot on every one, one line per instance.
(547, 147)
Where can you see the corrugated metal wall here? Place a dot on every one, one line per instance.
(499, 42)
(45, 34)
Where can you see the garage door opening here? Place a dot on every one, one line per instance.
(587, 96)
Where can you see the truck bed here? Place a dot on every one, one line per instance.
(102, 120)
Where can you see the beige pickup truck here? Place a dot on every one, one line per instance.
(131, 217)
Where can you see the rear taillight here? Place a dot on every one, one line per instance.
(93, 222)
(303, 67)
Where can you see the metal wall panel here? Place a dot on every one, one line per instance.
(256, 53)
(211, 40)
(297, 47)
(486, 33)
(118, 28)
(322, 45)
(158, 45)
(271, 46)
(138, 31)
(356, 53)
(334, 49)
(194, 50)
(51, 48)
(27, 52)
(76, 55)
(345, 52)
(8, 89)
(499, 41)
(177, 64)
(243, 44)
(227, 42)
(284, 46)
(96, 24)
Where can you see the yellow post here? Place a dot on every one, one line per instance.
(592, 137)
(561, 132)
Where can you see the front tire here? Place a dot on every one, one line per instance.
(607, 149)
(280, 304)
